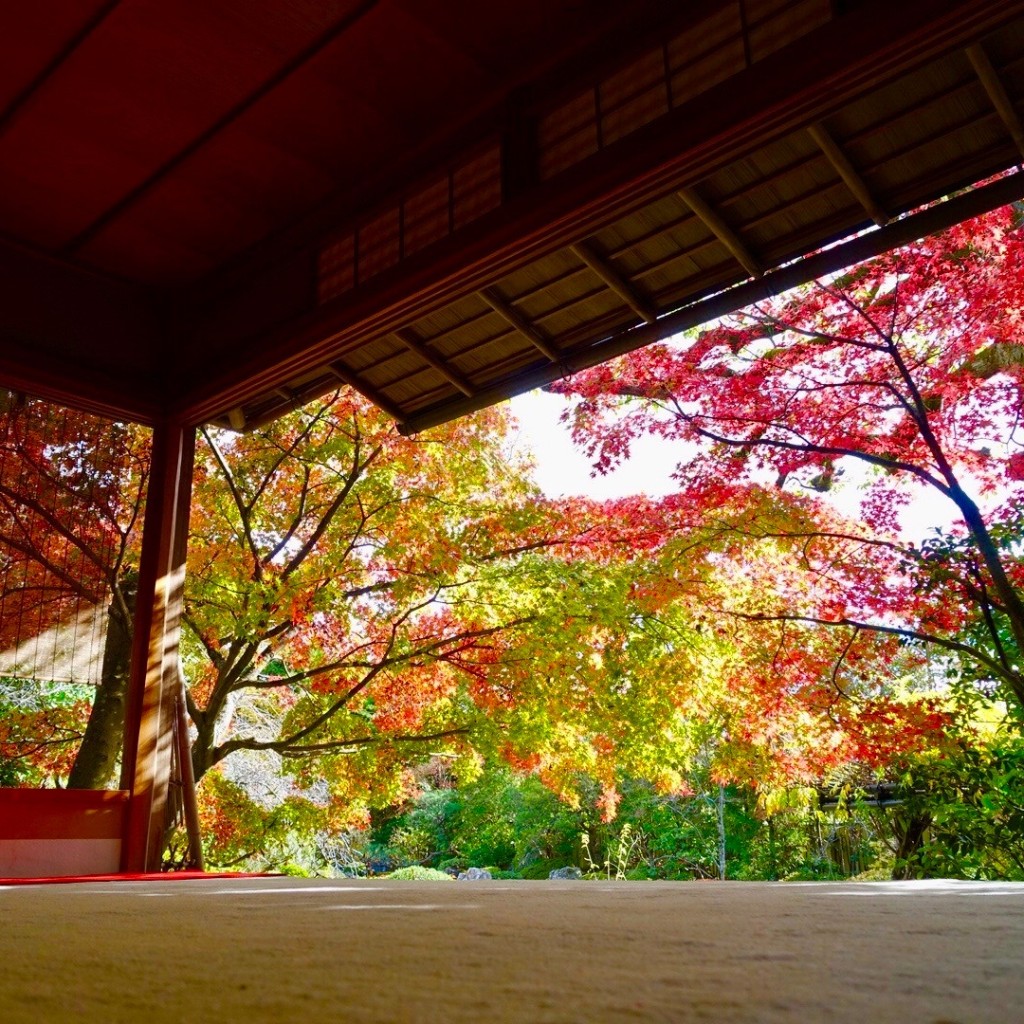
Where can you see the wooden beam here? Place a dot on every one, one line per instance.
(934, 218)
(154, 682)
(413, 343)
(615, 281)
(87, 28)
(515, 319)
(997, 93)
(346, 376)
(841, 163)
(722, 231)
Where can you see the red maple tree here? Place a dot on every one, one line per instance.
(905, 373)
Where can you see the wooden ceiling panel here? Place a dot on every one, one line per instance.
(769, 205)
(657, 233)
(39, 36)
(906, 109)
(232, 204)
(136, 92)
(442, 204)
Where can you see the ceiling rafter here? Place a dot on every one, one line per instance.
(514, 318)
(346, 376)
(130, 198)
(860, 247)
(412, 342)
(69, 47)
(615, 281)
(840, 162)
(712, 220)
(996, 91)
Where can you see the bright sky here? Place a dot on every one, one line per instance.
(563, 470)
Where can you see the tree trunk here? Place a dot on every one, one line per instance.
(911, 830)
(104, 734)
(720, 808)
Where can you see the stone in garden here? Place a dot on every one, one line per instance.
(474, 875)
(570, 873)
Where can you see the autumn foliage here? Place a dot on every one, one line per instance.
(357, 601)
(806, 426)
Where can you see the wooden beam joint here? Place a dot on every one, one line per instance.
(726, 235)
(997, 93)
(615, 281)
(354, 381)
(515, 319)
(414, 344)
(841, 164)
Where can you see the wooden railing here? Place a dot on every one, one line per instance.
(60, 832)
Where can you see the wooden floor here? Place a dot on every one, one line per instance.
(280, 949)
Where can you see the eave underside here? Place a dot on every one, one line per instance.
(592, 218)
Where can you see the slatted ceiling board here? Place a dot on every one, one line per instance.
(425, 217)
(701, 57)
(567, 134)
(525, 285)
(785, 197)
(789, 172)
(680, 69)
(429, 211)
(912, 98)
(633, 98)
(336, 267)
(592, 301)
(476, 186)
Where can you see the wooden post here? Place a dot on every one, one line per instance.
(154, 684)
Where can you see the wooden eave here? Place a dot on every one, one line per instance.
(603, 189)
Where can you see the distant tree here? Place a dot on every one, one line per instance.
(72, 490)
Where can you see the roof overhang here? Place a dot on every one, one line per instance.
(607, 188)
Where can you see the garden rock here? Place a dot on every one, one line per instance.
(570, 873)
(474, 875)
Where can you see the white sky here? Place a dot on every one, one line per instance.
(562, 470)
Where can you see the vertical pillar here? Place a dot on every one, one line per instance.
(154, 684)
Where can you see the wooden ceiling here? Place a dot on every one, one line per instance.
(218, 209)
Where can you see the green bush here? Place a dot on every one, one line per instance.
(414, 873)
